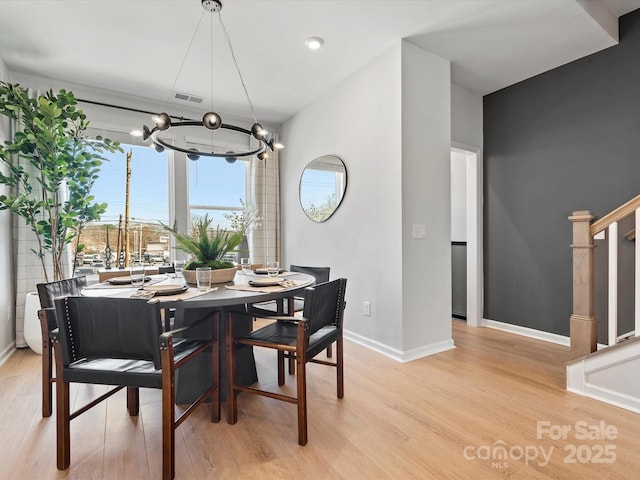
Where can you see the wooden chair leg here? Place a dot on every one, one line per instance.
(168, 415)
(47, 371)
(329, 351)
(63, 421)
(280, 368)
(215, 368)
(340, 366)
(301, 385)
(230, 347)
(133, 401)
(63, 430)
(47, 379)
(292, 366)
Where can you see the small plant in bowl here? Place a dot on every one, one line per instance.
(207, 246)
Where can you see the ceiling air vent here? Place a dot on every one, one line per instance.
(185, 97)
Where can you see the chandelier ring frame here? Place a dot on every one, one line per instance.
(194, 123)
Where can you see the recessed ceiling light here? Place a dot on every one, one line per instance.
(135, 133)
(314, 43)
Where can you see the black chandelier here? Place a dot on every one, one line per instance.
(212, 120)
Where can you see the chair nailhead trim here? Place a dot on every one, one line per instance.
(338, 305)
(73, 345)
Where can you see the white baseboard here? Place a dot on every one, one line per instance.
(527, 332)
(438, 347)
(398, 355)
(426, 350)
(611, 397)
(6, 353)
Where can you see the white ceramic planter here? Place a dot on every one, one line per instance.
(32, 331)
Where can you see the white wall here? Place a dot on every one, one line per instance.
(466, 118)
(458, 196)
(426, 200)
(368, 121)
(7, 308)
(361, 241)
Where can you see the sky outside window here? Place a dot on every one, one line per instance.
(216, 182)
(149, 190)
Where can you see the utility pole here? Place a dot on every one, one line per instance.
(126, 210)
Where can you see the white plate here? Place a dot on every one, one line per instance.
(265, 282)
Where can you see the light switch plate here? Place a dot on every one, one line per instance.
(419, 230)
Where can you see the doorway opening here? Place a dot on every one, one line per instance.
(466, 234)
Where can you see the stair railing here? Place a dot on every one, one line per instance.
(583, 323)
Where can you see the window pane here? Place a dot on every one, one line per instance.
(148, 204)
(149, 185)
(216, 187)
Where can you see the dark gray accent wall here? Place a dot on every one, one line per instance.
(459, 279)
(565, 140)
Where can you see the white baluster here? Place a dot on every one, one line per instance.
(637, 276)
(612, 234)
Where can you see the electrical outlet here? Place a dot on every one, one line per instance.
(366, 308)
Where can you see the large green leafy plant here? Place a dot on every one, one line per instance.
(207, 245)
(51, 188)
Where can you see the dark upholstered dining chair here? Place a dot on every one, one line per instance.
(300, 338)
(164, 269)
(281, 306)
(120, 342)
(47, 293)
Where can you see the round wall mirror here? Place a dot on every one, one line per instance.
(322, 186)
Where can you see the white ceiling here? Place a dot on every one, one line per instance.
(137, 46)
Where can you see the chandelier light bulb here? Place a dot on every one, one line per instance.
(258, 131)
(159, 148)
(230, 159)
(162, 121)
(146, 133)
(193, 156)
(212, 120)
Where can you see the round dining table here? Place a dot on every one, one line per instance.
(189, 306)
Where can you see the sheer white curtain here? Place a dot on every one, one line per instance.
(264, 192)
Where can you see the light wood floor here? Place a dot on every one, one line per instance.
(397, 421)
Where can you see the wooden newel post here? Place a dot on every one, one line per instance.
(583, 322)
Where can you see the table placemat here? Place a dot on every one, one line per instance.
(154, 279)
(190, 293)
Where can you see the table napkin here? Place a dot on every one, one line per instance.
(266, 289)
(190, 293)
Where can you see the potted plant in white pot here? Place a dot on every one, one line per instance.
(207, 246)
(51, 188)
(49, 167)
